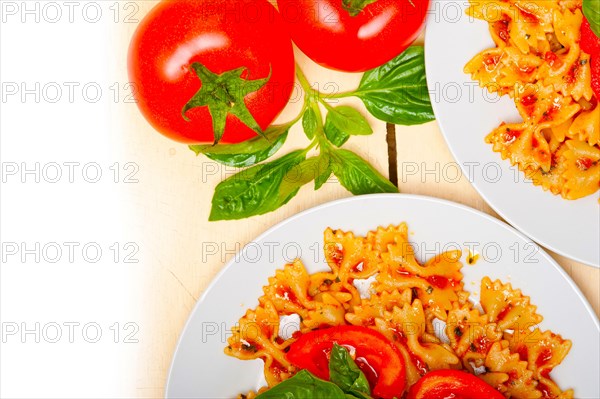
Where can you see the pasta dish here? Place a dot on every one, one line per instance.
(375, 282)
(539, 63)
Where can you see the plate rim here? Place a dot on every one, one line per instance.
(359, 198)
(480, 191)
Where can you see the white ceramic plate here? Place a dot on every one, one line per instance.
(200, 369)
(467, 113)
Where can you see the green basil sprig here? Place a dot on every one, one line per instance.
(591, 10)
(347, 381)
(395, 93)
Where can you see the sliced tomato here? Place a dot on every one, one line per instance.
(590, 43)
(375, 355)
(455, 384)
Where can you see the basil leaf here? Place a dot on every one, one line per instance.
(296, 177)
(591, 10)
(345, 373)
(253, 191)
(357, 175)
(333, 134)
(303, 385)
(249, 152)
(396, 92)
(324, 171)
(309, 123)
(349, 120)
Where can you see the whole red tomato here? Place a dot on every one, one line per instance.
(179, 42)
(336, 35)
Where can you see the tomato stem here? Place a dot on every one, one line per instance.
(303, 80)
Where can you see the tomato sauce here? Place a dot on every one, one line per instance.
(287, 294)
(572, 75)
(549, 114)
(584, 163)
(419, 364)
(483, 344)
(504, 312)
(511, 135)
(441, 281)
(528, 102)
(523, 353)
(552, 60)
(545, 390)
(335, 253)
(528, 15)
(501, 28)
(543, 357)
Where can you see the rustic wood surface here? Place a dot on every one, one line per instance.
(171, 209)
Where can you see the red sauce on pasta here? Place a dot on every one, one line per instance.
(528, 15)
(278, 370)
(441, 281)
(545, 390)
(549, 114)
(504, 312)
(527, 69)
(552, 59)
(416, 360)
(511, 135)
(572, 75)
(584, 163)
(335, 252)
(483, 344)
(546, 373)
(528, 102)
(543, 357)
(501, 28)
(287, 294)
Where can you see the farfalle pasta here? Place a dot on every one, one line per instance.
(422, 307)
(538, 62)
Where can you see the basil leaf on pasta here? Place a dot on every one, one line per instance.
(246, 153)
(303, 385)
(254, 191)
(345, 373)
(396, 92)
(591, 10)
(357, 175)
